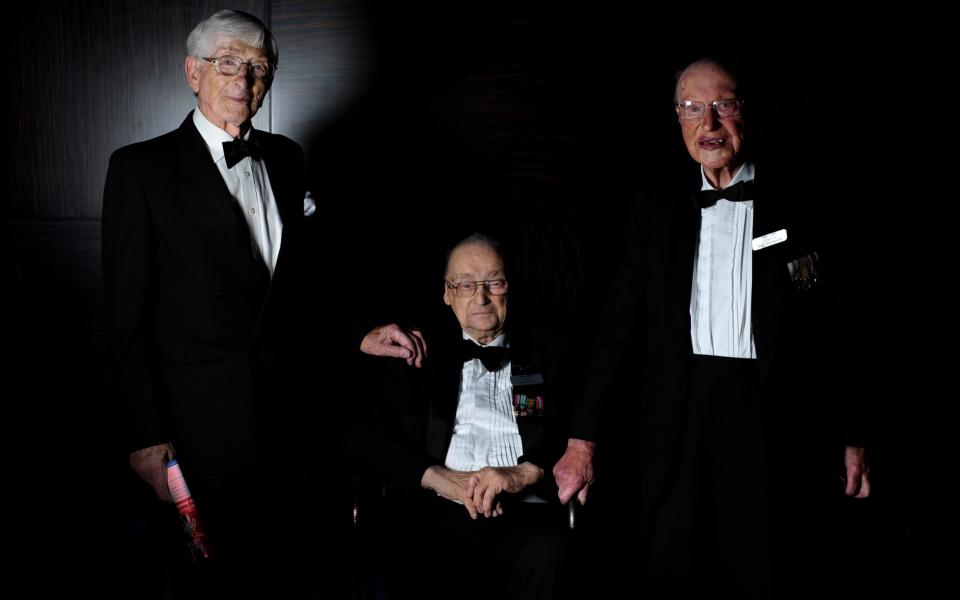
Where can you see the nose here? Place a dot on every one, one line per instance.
(710, 118)
(482, 296)
(245, 75)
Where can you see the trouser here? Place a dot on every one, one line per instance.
(440, 552)
(710, 531)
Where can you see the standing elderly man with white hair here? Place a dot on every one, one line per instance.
(207, 241)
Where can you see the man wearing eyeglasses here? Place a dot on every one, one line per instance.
(468, 440)
(734, 286)
(208, 245)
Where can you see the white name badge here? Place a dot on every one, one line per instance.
(769, 240)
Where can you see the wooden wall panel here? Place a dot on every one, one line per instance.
(326, 63)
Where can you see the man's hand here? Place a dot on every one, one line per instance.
(858, 471)
(450, 484)
(393, 340)
(574, 471)
(151, 465)
(488, 482)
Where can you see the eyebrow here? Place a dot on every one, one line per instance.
(708, 101)
(498, 274)
(238, 51)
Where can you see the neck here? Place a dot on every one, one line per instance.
(484, 338)
(235, 130)
(721, 178)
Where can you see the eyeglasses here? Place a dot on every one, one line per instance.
(692, 109)
(230, 65)
(467, 289)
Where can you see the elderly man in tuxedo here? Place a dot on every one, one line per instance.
(734, 290)
(212, 277)
(466, 442)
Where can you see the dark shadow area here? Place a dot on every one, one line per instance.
(71, 505)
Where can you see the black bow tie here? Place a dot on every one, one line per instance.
(492, 357)
(735, 193)
(235, 150)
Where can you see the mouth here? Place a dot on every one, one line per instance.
(711, 143)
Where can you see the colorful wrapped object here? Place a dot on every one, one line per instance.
(199, 544)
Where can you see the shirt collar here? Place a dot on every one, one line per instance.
(499, 341)
(213, 135)
(744, 173)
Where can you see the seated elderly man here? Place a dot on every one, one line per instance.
(467, 439)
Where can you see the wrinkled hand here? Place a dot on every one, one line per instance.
(858, 472)
(488, 482)
(151, 465)
(450, 484)
(574, 470)
(393, 340)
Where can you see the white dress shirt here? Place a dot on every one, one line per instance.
(720, 302)
(485, 432)
(249, 185)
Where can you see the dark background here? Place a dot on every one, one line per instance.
(422, 121)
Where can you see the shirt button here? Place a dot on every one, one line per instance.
(253, 211)
(247, 173)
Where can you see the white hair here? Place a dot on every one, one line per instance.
(235, 25)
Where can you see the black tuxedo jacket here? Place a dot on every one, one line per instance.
(200, 336)
(804, 337)
(405, 426)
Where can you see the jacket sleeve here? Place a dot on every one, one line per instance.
(379, 437)
(619, 330)
(128, 261)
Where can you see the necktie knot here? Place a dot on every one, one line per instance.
(492, 357)
(739, 192)
(235, 150)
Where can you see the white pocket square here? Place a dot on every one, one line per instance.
(309, 205)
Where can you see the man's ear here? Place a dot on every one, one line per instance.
(446, 295)
(191, 69)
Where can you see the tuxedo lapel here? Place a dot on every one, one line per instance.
(280, 184)
(522, 355)
(443, 392)
(769, 270)
(528, 358)
(203, 195)
(680, 246)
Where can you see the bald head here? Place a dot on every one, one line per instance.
(703, 67)
(476, 264)
(710, 119)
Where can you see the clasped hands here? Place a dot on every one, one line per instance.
(478, 491)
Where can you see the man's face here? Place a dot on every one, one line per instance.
(714, 142)
(481, 315)
(228, 101)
